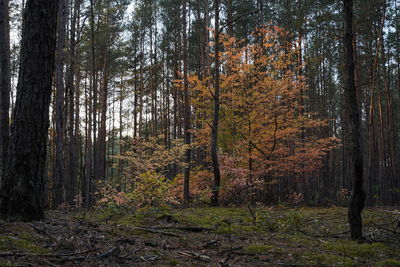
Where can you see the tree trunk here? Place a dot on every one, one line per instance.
(23, 180)
(72, 89)
(186, 191)
(357, 198)
(214, 130)
(5, 86)
(94, 91)
(59, 183)
(102, 127)
(87, 185)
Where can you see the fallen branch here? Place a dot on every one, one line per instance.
(195, 229)
(210, 243)
(253, 215)
(230, 250)
(155, 231)
(23, 254)
(126, 241)
(386, 228)
(195, 255)
(42, 231)
(108, 253)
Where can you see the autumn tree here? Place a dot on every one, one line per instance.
(261, 122)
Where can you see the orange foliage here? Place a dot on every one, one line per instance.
(264, 122)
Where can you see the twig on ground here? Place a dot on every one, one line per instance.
(253, 216)
(23, 254)
(113, 250)
(231, 250)
(183, 228)
(210, 243)
(126, 241)
(386, 228)
(195, 255)
(155, 231)
(42, 231)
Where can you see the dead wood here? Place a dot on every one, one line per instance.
(210, 243)
(195, 229)
(195, 255)
(155, 231)
(112, 251)
(23, 254)
(126, 241)
(230, 250)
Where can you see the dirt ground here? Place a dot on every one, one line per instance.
(263, 236)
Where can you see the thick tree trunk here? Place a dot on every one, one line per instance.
(215, 124)
(59, 182)
(357, 198)
(24, 173)
(4, 81)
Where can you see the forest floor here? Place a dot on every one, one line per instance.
(277, 236)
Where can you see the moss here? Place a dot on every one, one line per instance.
(23, 243)
(173, 262)
(259, 248)
(388, 263)
(354, 249)
(212, 216)
(104, 216)
(326, 259)
(8, 263)
(297, 240)
(167, 217)
(285, 223)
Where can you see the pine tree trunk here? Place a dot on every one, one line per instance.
(24, 175)
(215, 124)
(357, 198)
(186, 191)
(72, 89)
(5, 86)
(87, 184)
(59, 183)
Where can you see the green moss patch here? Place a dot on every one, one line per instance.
(259, 248)
(20, 243)
(388, 263)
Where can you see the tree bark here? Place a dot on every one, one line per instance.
(215, 124)
(72, 89)
(357, 198)
(94, 91)
(186, 190)
(23, 180)
(5, 86)
(59, 182)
